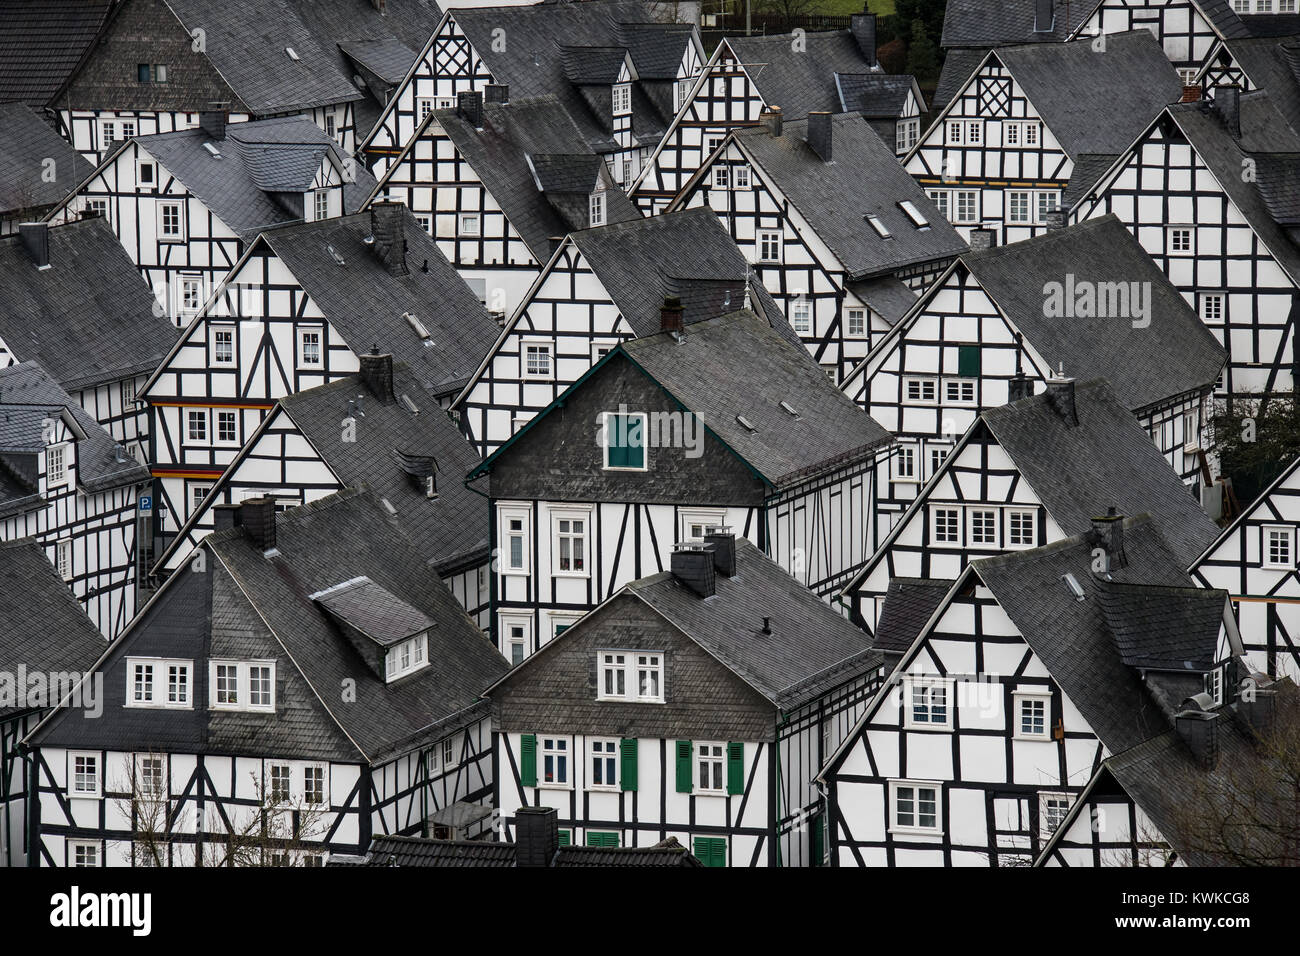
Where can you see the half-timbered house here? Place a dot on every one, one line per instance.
(185, 205)
(65, 482)
(47, 644)
(71, 300)
(837, 231)
(696, 703)
(305, 670)
(591, 55)
(1005, 319)
(801, 73)
(1034, 125)
(298, 310)
(603, 286)
(38, 168)
(499, 185)
(1257, 63)
(379, 428)
(724, 424)
(1026, 475)
(1208, 190)
(1034, 668)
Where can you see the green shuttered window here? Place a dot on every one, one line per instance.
(968, 361)
(711, 851)
(627, 773)
(684, 749)
(528, 760)
(602, 839)
(735, 768)
(624, 441)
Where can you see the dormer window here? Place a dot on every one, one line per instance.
(242, 685)
(635, 676)
(597, 209)
(622, 99)
(407, 657)
(56, 465)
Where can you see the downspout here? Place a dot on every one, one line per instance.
(492, 561)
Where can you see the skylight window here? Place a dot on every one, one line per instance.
(212, 148)
(1072, 583)
(790, 409)
(745, 423)
(416, 324)
(880, 227)
(293, 54)
(913, 213)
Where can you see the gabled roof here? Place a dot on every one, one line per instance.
(97, 465)
(373, 610)
(876, 95)
(990, 23)
(42, 43)
(1144, 363)
(386, 57)
(908, 606)
(864, 179)
(256, 160)
(1272, 64)
(1163, 628)
(1074, 88)
(366, 304)
(421, 851)
(27, 148)
(664, 854)
(41, 623)
(800, 79)
(657, 49)
(88, 319)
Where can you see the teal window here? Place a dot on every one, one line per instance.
(602, 839)
(711, 851)
(968, 361)
(625, 441)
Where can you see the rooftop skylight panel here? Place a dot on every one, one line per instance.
(881, 229)
(293, 54)
(913, 213)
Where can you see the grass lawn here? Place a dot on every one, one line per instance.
(845, 7)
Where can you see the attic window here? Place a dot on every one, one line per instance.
(293, 54)
(212, 148)
(597, 209)
(407, 657)
(790, 409)
(745, 423)
(913, 214)
(418, 326)
(1072, 583)
(879, 226)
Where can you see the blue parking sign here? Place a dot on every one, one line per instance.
(146, 502)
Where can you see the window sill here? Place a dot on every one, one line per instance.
(932, 728)
(1044, 739)
(916, 831)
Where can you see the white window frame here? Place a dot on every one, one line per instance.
(180, 234)
(204, 419)
(303, 768)
(1016, 196)
(415, 651)
(706, 519)
(319, 332)
(75, 845)
(539, 344)
(720, 175)
(566, 752)
(621, 99)
(740, 177)
(971, 514)
(613, 663)
(1008, 514)
(914, 682)
(557, 536)
(921, 381)
(931, 449)
(897, 471)
(191, 281)
(762, 238)
(1288, 535)
(523, 640)
(76, 793)
(906, 133)
(915, 826)
(58, 472)
(714, 753)
(63, 559)
(243, 688)
(1203, 303)
(610, 757)
(1046, 796)
(934, 523)
(524, 514)
(855, 322)
(213, 356)
(942, 199)
(596, 209)
(801, 314)
(218, 414)
(159, 683)
(953, 388)
(1019, 699)
(141, 164)
(1171, 232)
(974, 216)
(470, 224)
(645, 443)
(320, 204)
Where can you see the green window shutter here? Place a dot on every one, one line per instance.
(684, 748)
(735, 768)
(618, 434)
(968, 361)
(818, 840)
(566, 837)
(528, 760)
(627, 773)
(636, 452)
(711, 851)
(602, 839)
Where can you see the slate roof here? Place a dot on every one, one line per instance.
(329, 542)
(525, 149)
(799, 81)
(657, 49)
(1272, 64)
(26, 142)
(280, 155)
(42, 627)
(1172, 355)
(990, 23)
(1071, 637)
(876, 95)
(864, 178)
(1165, 629)
(419, 851)
(97, 467)
(908, 606)
(374, 610)
(88, 319)
(809, 648)
(958, 65)
(667, 853)
(41, 43)
(887, 296)
(738, 366)
(366, 304)
(1107, 460)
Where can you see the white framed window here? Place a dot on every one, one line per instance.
(1052, 811)
(1191, 430)
(407, 657)
(650, 677)
(516, 632)
(146, 173)
(906, 133)
(603, 757)
(309, 348)
(801, 314)
(613, 676)
(227, 430)
(942, 200)
(84, 772)
(596, 208)
(315, 791)
(982, 527)
(448, 747)
(1278, 546)
(425, 223)
(471, 224)
(569, 543)
(622, 99)
(1179, 241)
(974, 132)
(1018, 206)
(879, 226)
(158, 682)
(855, 322)
(555, 762)
(83, 853)
(920, 391)
(191, 294)
(1032, 717)
(1214, 684)
(197, 495)
(279, 784)
(537, 359)
(966, 202)
(903, 463)
(221, 345)
(1045, 201)
(915, 806)
(127, 129)
(171, 222)
(151, 778)
(107, 132)
(514, 528)
(196, 424)
(769, 246)
(1210, 306)
(98, 207)
(740, 177)
(630, 676)
(241, 685)
(626, 175)
(927, 703)
(721, 175)
(321, 204)
(624, 441)
(694, 525)
(56, 465)
(423, 106)
(959, 391)
(63, 558)
(1020, 133)
(1021, 529)
(711, 768)
(937, 454)
(946, 522)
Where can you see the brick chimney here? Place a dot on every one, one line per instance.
(537, 836)
(470, 107)
(497, 93)
(1054, 219)
(1060, 395)
(672, 316)
(863, 27)
(1199, 730)
(772, 118)
(1044, 16)
(388, 236)
(1109, 531)
(35, 237)
(694, 566)
(981, 239)
(1191, 94)
(723, 543)
(377, 374)
(819, 134)
(213, 122)
(1227, 102)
